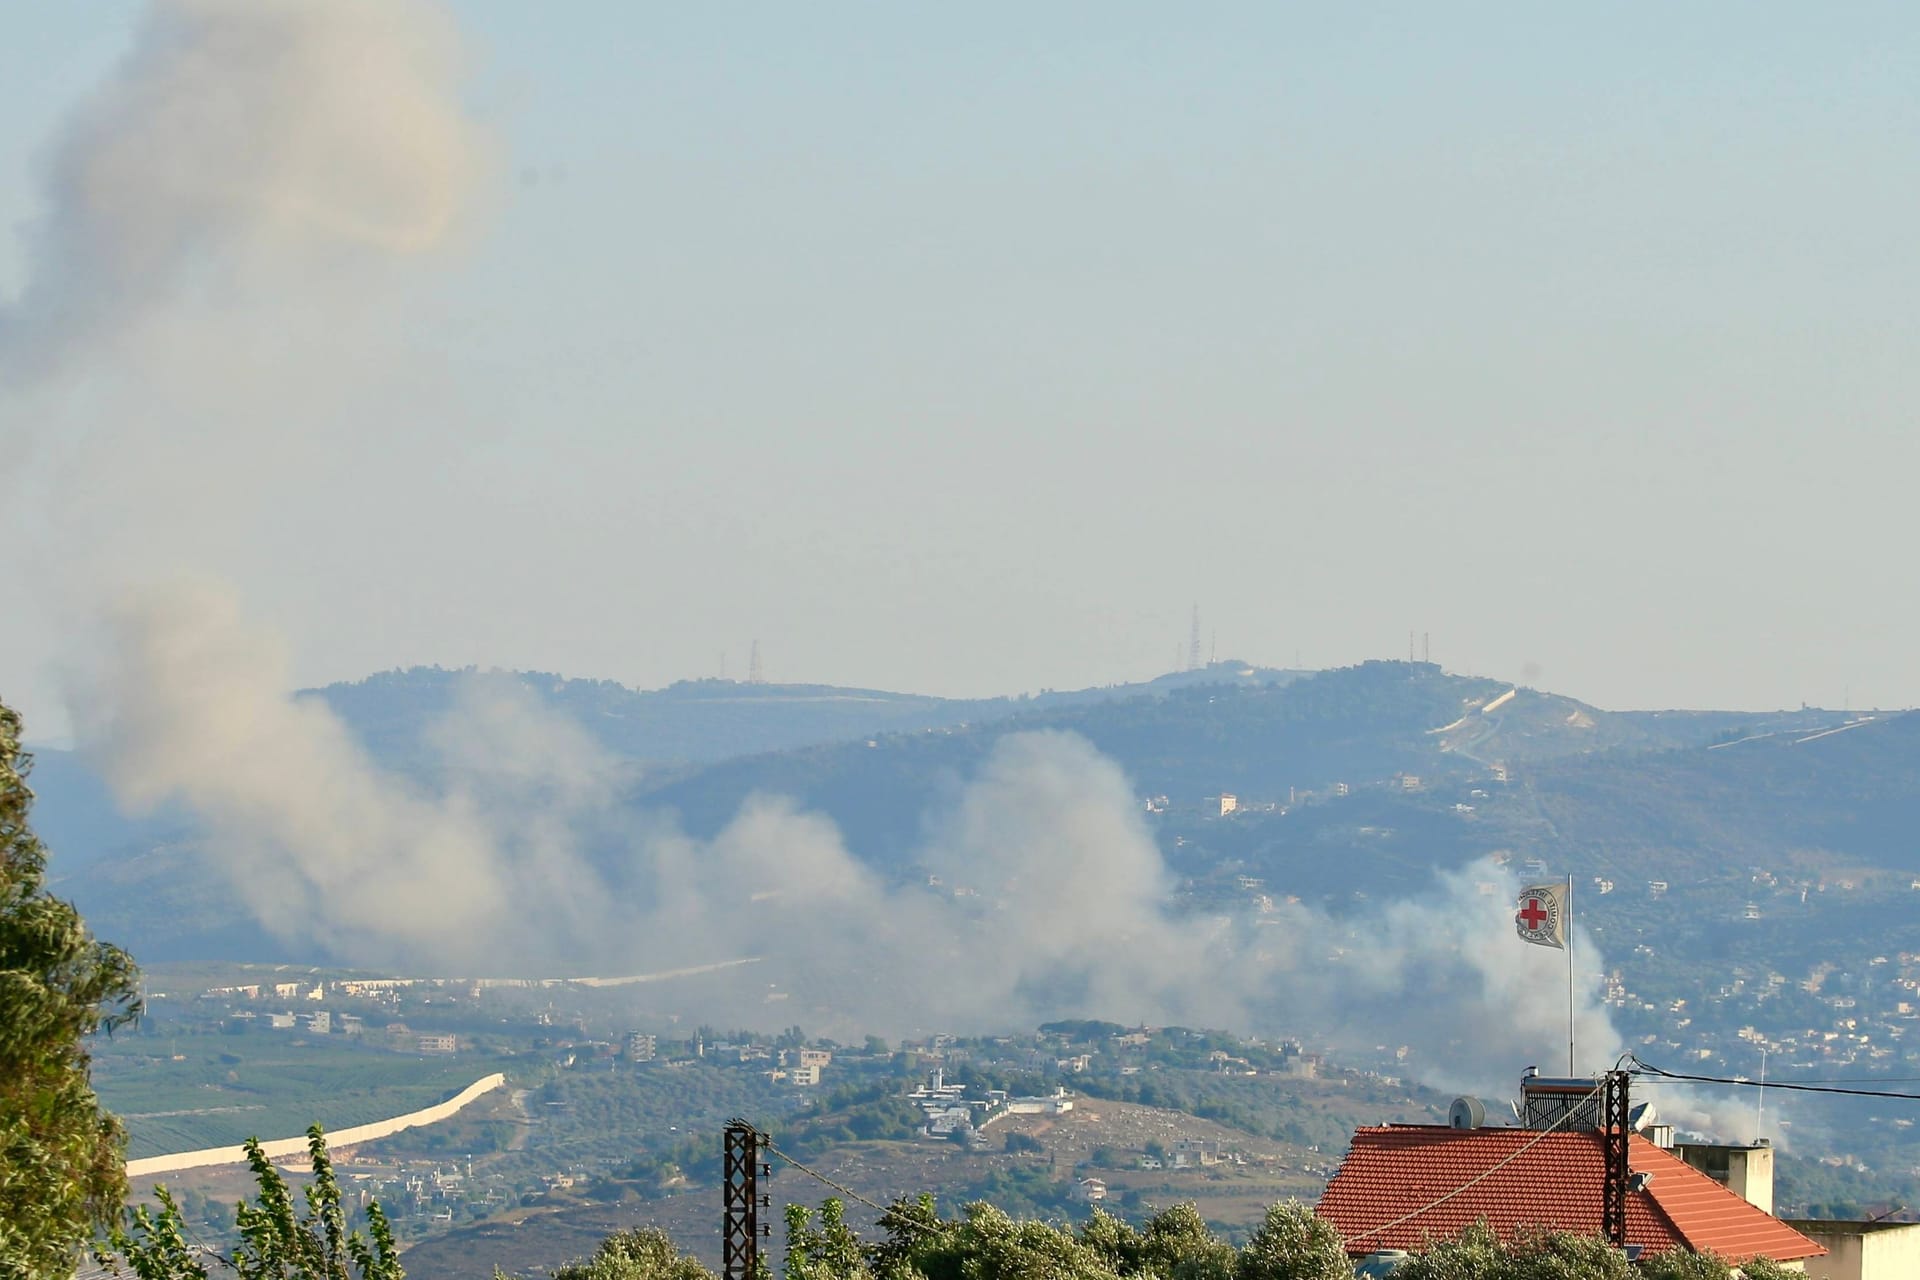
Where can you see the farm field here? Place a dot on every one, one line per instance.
(184, 1093)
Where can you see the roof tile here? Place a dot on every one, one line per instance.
(1552, 1184)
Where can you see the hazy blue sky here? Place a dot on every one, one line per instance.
(963, 348)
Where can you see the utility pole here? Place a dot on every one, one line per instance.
(1614, 1129)
(740, 1201)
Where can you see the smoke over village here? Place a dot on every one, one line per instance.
(640, 551)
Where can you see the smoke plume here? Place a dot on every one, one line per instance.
(240, 145)
(1045, 895)
(211, 215)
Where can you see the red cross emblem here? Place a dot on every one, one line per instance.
(1533, 914)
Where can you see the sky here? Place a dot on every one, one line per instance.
(965, 350)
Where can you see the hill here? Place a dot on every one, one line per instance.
(701, 721)
(1402, 743)
(1267, 743)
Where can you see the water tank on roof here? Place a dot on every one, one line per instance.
(1467, 1113)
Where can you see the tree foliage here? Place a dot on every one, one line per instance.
(276, 1242)
(643, 1254)
(62, 1165)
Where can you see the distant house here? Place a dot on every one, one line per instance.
(1053, 1104)
(1402, 1186)
(1202, 1151)
(437, 1043)
(1090, 1190)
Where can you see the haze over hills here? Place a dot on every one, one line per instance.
(701, 721)
(884, 768)
(1072, 855)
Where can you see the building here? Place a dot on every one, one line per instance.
(1090, 1190)
(1228, 803)
(1053, 1104)
(1401, 1186)
(641, 1047)
(437, 1043)
(320, 1023)
(816, 1058)
(1863, 1250)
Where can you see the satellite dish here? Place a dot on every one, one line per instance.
(1640, 1117)
(1467, 1113)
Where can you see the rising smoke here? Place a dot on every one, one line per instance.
(239, 147)
(247, 151)
(1045, 895)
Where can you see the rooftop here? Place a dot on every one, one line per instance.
(1401, 1186)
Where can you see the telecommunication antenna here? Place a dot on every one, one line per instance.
(1193, 642)
(754, 674)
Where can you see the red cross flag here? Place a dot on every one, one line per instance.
(1542, 915)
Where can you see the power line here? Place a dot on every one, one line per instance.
(1486, 1173)
(1647, 1068)
(848, 1192)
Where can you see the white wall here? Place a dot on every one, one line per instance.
(281, 1147)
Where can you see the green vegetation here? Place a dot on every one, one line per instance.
(225, 1089)
(646, 1253)
(1174, 1244)
(274, 1242)
(60, 1153)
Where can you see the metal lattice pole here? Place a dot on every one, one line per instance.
(740, 1202)
(1614, 1128)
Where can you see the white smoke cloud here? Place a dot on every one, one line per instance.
(239, 143)
(1052, 899)
(213, 215)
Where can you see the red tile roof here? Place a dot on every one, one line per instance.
(1550, 1181)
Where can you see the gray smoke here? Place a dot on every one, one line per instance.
(1046, 897)
(238, 146)
(215, 217)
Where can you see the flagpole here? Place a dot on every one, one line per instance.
(1570, 1067)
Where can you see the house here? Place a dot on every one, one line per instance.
(1053, 1104)
(437, 1043)
(1401, 1186)
(1863, 1250)
(1090, 1190)
(1205, 1152)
